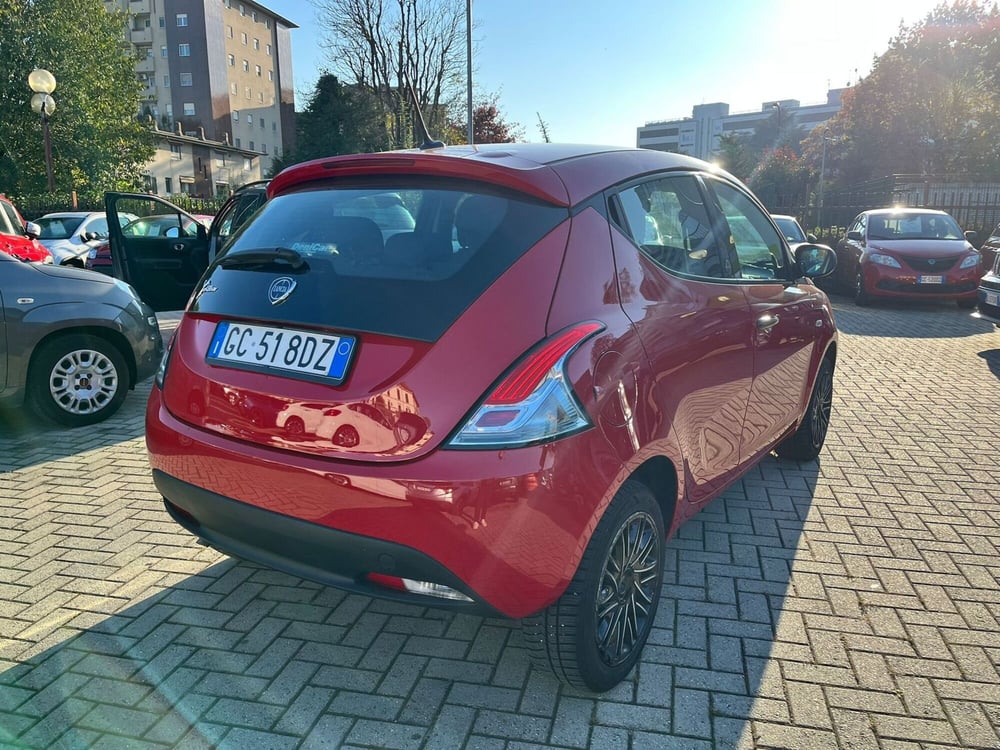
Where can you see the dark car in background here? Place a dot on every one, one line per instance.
(908, 253)
(72, 343)
(990, 248)
(505, 405)
(989, 294)
(165, 266)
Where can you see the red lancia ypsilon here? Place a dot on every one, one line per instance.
(493, 379)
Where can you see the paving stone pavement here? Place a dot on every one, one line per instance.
(852, 602)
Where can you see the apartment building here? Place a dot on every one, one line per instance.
(699, 134)
(216, 71)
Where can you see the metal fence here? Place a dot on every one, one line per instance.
(975, 204)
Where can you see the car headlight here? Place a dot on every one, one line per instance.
(881, 259)
(971, 261)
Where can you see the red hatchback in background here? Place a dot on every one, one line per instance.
(505, 405)
(20, 238)
(914, 253)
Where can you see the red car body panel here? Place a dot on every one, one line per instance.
(20, 246)
(678, 373)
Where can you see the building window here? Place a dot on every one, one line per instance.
(256, 69)
(269, 50)
(261, 123)
(170, 110)
(251, 145)
(243, 38)
(232, 61)
(182, 19)
(229, 31)
(246, 66)
(267, 23)
(149, 183)
(243, 9)
(168, 185)
(270, 75)
(189, 109)
(236, 115)
(186, 186)
(184, 50)
(263, 147)
(163, 22)
(274, 126)
(253, 15)
(234, 89)
(256, 43)
(186, 79)
(246, 164)
(237, 143)
(260, 96)
(163, 51)
(249, 119)
(175, 151)
(166, 82)
(248, 92)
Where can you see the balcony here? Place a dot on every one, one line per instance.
(139, 7)
(141, 36)
(146, 65)
(150, 92)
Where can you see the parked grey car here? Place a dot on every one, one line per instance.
(72, 342)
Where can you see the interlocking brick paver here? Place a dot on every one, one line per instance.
(852, 602)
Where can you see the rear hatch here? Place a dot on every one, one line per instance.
(363, 319)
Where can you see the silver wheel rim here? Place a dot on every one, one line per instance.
(83, 381)
(627, 589)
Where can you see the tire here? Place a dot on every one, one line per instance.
(346, 436)
(861, 296)
(295, 426)
(967, 304)
(570, 638)
(807, 441)
(77, 380)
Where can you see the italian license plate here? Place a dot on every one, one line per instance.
(930, 279)
(304, 354)
(992, 298)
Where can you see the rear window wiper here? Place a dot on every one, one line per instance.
(262, 256)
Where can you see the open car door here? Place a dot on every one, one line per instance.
(162, 254)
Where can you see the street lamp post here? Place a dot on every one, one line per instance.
(43, 83)
(822, 177)
(468, 60)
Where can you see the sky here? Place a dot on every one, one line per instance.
(596, 71)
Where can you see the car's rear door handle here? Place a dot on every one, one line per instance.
(764, 322)
(178, 246)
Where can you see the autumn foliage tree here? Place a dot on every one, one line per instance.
(931, 103)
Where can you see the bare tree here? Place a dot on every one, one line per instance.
(379, 44)
(543, 127)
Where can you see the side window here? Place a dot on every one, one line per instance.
(100, 226)
(758, 244)
(668, 220)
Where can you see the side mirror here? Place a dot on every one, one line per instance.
(815, 261)
(971, 235)
(855, 235)
(91, 236)
(32, 230)
(812, 237)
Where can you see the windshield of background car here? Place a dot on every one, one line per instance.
(58, 228)
(913, 226)
(791, 229)
(16, 226)
(405, 260)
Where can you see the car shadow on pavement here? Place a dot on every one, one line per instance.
(898, 319)
(992, 357)
(145, 637)
(28, 440)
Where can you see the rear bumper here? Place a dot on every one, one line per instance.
(506, 528)
(307, 550)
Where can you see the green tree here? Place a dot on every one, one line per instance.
(339, 119)
(931, 103)
(780, 179)
(737, 156)
(97, 140)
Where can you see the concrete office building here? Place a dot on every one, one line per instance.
(217, 71)
(699, 134)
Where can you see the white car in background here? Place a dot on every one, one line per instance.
(69, 235)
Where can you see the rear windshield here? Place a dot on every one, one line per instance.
(403, 261)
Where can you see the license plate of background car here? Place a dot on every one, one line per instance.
(930, 279)
(992, 298)
(308, 355)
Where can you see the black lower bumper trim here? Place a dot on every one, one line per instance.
(308, 550)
